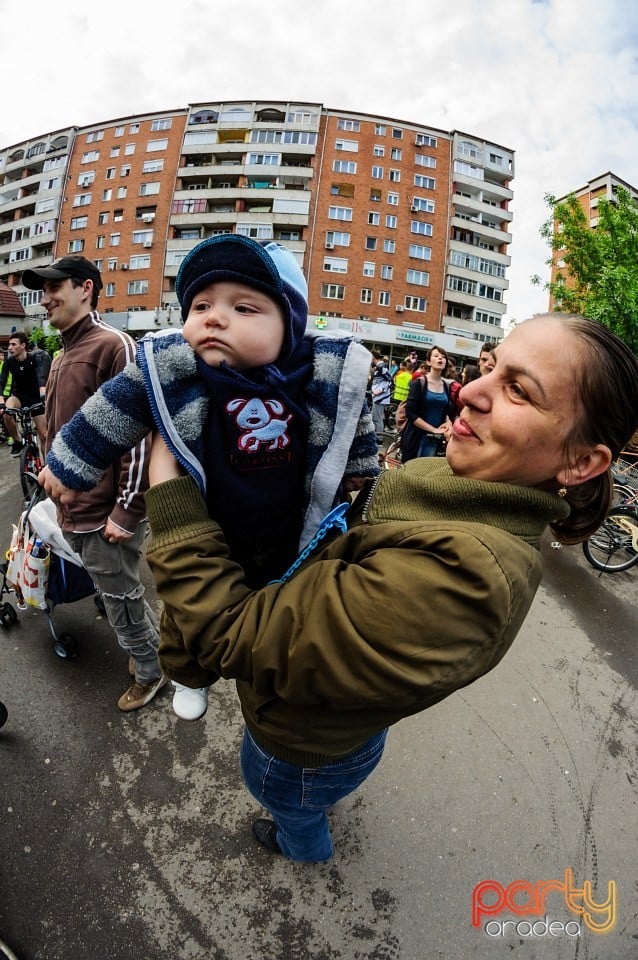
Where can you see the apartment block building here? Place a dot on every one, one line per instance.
(602, 187)
(402, 230)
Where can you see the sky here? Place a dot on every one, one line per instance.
(554, 80)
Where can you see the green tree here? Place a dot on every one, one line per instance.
(597, 268)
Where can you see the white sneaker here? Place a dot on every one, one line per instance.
(189, 704)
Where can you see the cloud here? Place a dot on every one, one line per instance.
(555, 80)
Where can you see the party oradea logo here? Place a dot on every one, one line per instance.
(531, 904)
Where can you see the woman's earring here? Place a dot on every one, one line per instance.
(562, 492)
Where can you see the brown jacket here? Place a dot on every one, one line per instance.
(94, 352)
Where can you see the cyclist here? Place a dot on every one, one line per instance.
(29, 373)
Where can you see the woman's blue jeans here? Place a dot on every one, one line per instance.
(298, 797)
(428, 447)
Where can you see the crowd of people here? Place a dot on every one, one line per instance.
(284, 558)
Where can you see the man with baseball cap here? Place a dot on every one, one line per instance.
(106, 526)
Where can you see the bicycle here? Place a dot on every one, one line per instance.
(31, 462)
(614, 546)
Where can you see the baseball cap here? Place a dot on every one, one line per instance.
(266, 266)
(62, 269)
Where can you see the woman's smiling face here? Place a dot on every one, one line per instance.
(516, 419)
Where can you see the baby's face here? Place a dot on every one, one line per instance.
(233, 323)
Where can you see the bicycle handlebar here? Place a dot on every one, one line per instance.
(23, 412)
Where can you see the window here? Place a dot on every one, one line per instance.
(469, 169)
(95, 135)
(188, 206)
(76, 246)
(416, 226)
(421, 204)
(496, 159)
(333, 291)
(118, 215)
(371, 243)
(100, 241)
(339, 213)
(265, 159)
(79, 223)
(102, 219)
(396, 153)
(115, 239)
(335, 264)
(119, 132)
(461, 285)
(416, 303)
(425, 183)
(420, 277)
(134, 128)
(366, 295)
(86, 179)
(111, 264)
(389, 246)
(351, 146)
(142, 236)
(368, 268)
(147, 189)
(129, 149)
(258, 231)
(154, 145)
(125, 170)
(397, 133)
(373, 219)
(391, 221)
(344, 166)
(352, 125)
(140, 262)
(110, 173)
(424, 160)
(378, 150)
(393, 199)
(106, 195)
(395, 175)
(375, 195)
(44, 206)
(490, 293)
(115, 151)
(153, 166)
(377, 173)
(121, 193)
(109, 290)
(91, 156)
(420, 252)
(482, 317)
(379, 129)
(423, 140)
(337, 238)
(384, 298)
(386, 272)
(81, 199)
(136, 287)
(164, 124)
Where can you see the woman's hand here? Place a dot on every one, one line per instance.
(162, 465)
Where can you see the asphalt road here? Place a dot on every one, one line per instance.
(128, 835)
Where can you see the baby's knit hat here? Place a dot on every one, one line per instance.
(268, 267)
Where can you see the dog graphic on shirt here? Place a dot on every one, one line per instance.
(260, 422)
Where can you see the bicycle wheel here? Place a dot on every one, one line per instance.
(621, 494)
(613, 547)
(30, 466)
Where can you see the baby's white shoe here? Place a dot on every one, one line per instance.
(189, 704)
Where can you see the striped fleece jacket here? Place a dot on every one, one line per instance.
(164, 391)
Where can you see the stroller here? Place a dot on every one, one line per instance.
(42, 571)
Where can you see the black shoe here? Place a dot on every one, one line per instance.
(265, 833)
(16, 449)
